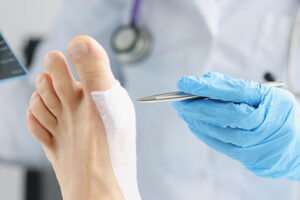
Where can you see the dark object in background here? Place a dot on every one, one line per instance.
(268, 76)
(41, 185)
(33, 185)
(29, 49)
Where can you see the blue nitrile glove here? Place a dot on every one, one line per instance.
(253, 123)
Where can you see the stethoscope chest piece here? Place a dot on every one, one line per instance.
(131, 43)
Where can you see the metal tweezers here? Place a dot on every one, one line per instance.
(181, 96)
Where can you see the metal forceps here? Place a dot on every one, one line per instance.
(181, 96)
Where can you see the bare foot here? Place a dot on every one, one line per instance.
(64, 119)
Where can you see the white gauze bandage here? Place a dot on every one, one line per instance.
(118, 115)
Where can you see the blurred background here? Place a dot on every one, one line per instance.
(25, 23)
(242, 39)
(17, 17)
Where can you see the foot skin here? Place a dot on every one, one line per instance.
(64, 119)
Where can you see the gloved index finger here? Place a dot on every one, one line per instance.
(219, 86)
(220, 113)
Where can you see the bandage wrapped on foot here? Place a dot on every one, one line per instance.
(118, 115)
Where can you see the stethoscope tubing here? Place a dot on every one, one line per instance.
(135, 12)
(294, 41)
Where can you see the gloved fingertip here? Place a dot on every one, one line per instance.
(176, 105)
(182, 83)
(208, 74)
(190, 83)
(212, 75)
(255, 92)
(182, 80)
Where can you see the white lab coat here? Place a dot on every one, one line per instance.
(242, 39)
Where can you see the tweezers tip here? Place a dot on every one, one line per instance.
(142, 99)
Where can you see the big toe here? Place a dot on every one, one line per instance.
(91, 63)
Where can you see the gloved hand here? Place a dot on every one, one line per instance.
(255, 124)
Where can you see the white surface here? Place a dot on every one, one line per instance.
(19, 19)
(11, 182)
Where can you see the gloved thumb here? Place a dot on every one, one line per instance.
(221, 87)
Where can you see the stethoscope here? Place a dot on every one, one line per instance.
(293, 45)
(294, 41)
(132, 43)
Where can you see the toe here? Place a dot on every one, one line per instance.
(37, 130)
(46, 90)
(91, 63)
(42, 114)
(63, 81)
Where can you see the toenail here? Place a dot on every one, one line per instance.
(40, 80)
(77, 48)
